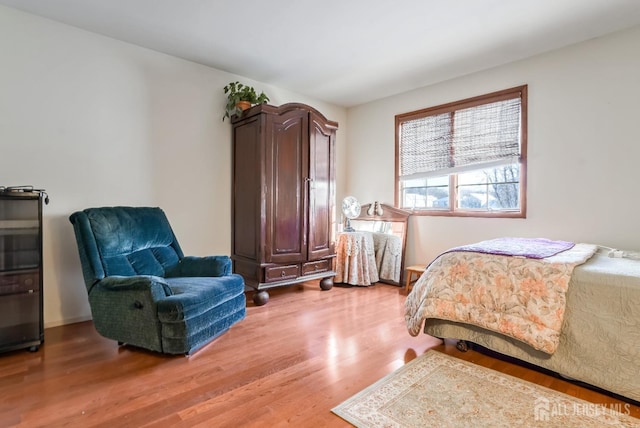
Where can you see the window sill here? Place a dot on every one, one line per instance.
(461, 213)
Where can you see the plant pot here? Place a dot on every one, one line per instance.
(243, 105)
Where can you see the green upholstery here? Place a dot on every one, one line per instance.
(143, 291)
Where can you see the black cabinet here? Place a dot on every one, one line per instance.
(21, 321)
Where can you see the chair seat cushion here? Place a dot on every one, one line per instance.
(193, 296)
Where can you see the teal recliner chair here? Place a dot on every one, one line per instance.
(143, 291)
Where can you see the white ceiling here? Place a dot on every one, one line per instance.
(345, 52)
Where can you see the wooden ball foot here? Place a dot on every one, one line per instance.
(261, 298)
(326, 283)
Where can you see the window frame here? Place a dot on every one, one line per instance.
(453, 211)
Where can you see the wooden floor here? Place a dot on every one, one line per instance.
(287, 364)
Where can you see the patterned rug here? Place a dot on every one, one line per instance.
(436, 390)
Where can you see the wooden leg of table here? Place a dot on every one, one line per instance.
(408, 281)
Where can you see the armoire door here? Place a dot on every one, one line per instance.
(286, 176)
(247, 152)
(321, 189)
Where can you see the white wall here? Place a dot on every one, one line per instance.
(100, 122)
(583, 143)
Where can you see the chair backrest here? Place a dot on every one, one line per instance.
(124, 241)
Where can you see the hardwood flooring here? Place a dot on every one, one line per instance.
(287, 364)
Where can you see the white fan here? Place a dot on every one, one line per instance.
(351, 210)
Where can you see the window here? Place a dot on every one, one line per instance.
(466, 158)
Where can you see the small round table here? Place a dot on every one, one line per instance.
(355, 259)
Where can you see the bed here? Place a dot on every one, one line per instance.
(575, 312)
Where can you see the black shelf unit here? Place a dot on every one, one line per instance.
(21, 303)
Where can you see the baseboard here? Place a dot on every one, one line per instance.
(66, 321)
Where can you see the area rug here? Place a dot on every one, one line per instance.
(436, 390)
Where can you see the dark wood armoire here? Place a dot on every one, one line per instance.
(283, 207)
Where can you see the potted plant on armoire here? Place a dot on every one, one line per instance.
(240, 97)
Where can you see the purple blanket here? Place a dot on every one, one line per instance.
(532, 248)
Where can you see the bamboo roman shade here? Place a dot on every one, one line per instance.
(469, 138)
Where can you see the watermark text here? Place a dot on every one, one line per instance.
(544, 409)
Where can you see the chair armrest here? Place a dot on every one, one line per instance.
(202, 266)
(121, 305)
(156, 285)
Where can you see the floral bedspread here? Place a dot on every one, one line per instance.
(520, 297)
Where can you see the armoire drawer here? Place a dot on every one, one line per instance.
(315, 267)
(279, 273)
